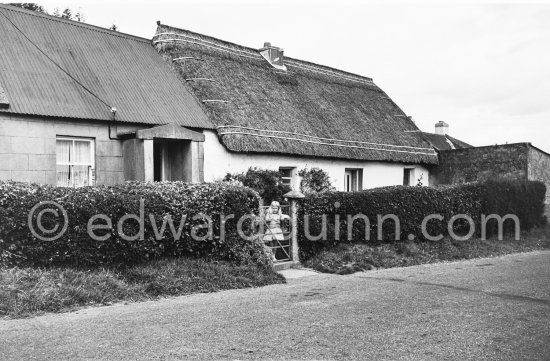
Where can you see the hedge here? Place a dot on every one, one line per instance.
(19, 247)
(411, 205)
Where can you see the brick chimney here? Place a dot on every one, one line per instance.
(441, 128)
(274, 55)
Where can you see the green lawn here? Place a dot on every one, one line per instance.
(27, 291)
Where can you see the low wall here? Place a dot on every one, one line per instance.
(481, 163)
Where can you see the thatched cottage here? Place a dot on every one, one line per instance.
(83, 105)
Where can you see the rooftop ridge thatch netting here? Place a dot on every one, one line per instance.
(309, 110)
(173, 35)
(232, 129)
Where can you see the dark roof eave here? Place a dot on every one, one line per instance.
(393, 161)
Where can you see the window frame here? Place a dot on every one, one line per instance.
(91, 165)
(355, 176)
(411, 171)
(292, 177)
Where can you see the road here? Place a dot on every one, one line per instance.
(485, 309)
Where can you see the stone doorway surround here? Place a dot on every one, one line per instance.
(139, 156)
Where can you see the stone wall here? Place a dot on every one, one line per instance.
(539, 169)
(28, 148)
(481, 163)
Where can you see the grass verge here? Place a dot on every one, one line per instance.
(28, 292)
(350, 258)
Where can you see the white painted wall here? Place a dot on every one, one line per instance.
(218, 161)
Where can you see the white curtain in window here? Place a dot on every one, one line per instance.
(63, 151)
(81, 175)
(74, 160)
(81, 152)
(63, 175)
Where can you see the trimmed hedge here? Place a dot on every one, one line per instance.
(19, 247)
(411, 205)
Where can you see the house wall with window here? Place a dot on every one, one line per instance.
(36, 150)
(218, 161)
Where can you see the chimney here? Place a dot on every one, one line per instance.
(273, 55)
(441, 128)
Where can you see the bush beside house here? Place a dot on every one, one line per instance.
(268, 183)
(315, 180)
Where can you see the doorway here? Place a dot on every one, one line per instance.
(170, 160)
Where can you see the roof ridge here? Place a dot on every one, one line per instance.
(211, 39)
(304, 64)
(329, 68)
(74, 23)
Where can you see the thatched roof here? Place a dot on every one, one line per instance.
(309, 109)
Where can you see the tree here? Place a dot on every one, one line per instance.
(65, 14)
(268, 183)
(79, 16)
(30, 6)
(315, 180)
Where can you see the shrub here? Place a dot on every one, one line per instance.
(315, 180)
(18, 246)
(268, 183)
(411, 205)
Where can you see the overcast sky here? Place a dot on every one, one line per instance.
(483, 67)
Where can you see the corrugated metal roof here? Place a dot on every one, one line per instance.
(4, 103)
(119, 70)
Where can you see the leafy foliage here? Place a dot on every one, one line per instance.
(268, 183)
(30, 6)
(65, 14)
(184, 203)
(315, 180)
(411, 205)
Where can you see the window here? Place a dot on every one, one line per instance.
(353, 180)
(408, 174)
(75, 162)
(287, 175)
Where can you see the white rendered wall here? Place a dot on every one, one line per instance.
(218, 161)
